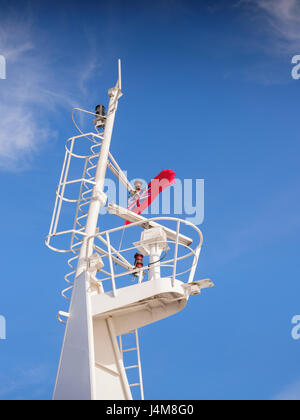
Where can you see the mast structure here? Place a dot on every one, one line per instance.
(99, 198)
(103, 313)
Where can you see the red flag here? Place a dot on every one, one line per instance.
(144, 198)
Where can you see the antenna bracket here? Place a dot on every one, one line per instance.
(100, 196)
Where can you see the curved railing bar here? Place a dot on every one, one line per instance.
(162, 262)
(64, 314)
(74, 122)
(63, 293)
(195, 251)
(48, 237)
(72, 139)
(153, 219)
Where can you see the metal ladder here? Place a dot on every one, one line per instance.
(85, 192)
(133, 335)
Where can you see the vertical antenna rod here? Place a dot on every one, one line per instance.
(98, 196)
(98, 200)
(120, 77)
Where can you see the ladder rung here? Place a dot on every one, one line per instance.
(131, 367)
(81, 217)
(133, 348)
(76, 244)
(135, 384)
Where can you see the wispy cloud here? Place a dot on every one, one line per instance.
(290, 393)
(283, 19)
(32, 92)
(22, 134)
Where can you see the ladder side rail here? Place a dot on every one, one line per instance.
(63, 185)
(56, 199)
(139, 365)
(78, 202)
(119, 362)
(121, 344)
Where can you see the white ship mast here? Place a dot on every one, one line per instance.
(106, 306)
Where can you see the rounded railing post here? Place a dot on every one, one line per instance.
(111, 265)
(176, 253)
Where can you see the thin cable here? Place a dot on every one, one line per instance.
(120, 245)
(76, 125)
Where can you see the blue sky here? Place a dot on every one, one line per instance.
(208, 92)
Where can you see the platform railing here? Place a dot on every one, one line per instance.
(170, 261)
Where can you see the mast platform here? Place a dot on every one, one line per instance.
(113, 290)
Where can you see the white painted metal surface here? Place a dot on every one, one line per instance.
(109, 297)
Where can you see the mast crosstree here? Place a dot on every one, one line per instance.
(111, 297)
